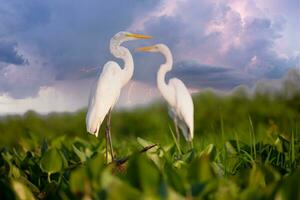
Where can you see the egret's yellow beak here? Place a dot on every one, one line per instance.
(138, 36)
(147, 48)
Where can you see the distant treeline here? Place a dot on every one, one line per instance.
(235, 111)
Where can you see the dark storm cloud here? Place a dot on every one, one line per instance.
(79, 37)
(19, 16)
(9, 54)
(62, 38)
(54, 40)
(196, 75)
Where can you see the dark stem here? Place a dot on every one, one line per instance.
(177, 130)
(109, 135)
(106, 138)
(123, 160)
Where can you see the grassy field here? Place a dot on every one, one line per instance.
(244, 148)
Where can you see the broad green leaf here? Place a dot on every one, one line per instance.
(176, 179)
(145, 143)
(14, 171)
(30, 185)
(58, 141)
(189, 156)
(117, 189)
(230, 148)
(143, 174)
(256, 177)
(174, 195)
(21, 190)
(289, 189)
(44, 146)
(51, 161)
(78, 179)
(226, 190)
(209, 151)
(79, 153)
(95, 166)
(155, 154)
(64, 159)
(200, 170)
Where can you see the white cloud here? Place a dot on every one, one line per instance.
(165, 8)
(69, 96)
(23, 80)
(57, 98)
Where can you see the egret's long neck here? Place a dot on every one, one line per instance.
(124, 54)
(163, 87)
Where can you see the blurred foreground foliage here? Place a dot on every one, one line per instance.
(244, 148)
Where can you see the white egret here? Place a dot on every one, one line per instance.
(106, 90)
(181, 108)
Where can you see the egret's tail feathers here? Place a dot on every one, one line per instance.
(190, 135)
(93, 132)
(186, 131)
(93, 128)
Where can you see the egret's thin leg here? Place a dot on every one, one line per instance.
(191, 145)
(109, 135)
(177, 130)
(106, 138)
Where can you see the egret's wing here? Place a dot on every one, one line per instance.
(184, 105)
(109, 85)
(104, 95)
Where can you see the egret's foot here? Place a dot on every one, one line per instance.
(110, 159)
(121, 161)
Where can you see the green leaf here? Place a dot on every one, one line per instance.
(209, 151)
(176, 179)
(143, 174)
(51, 161)
(155, 154)
(230, 148)
(21, 191)
(146, 143)
(200, 170)
(80, 154)
(58, 141)
(290, 187)
(256, 177)
(30, 185)
(117, 189)
(95, 166)
(44, 146)
(77, 180)
(14, 171)
(189, 156)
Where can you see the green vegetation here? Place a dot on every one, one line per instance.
(244, 148)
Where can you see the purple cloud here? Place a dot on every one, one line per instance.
(9, 54)
(58, 38)
(236, 35)
(215, 44)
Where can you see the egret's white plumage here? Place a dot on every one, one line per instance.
(106, 90)
(104, 95)
(181, 107)
(184, 108)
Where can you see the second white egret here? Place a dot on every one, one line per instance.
(181, 107)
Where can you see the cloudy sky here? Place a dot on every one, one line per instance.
(52, 50)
